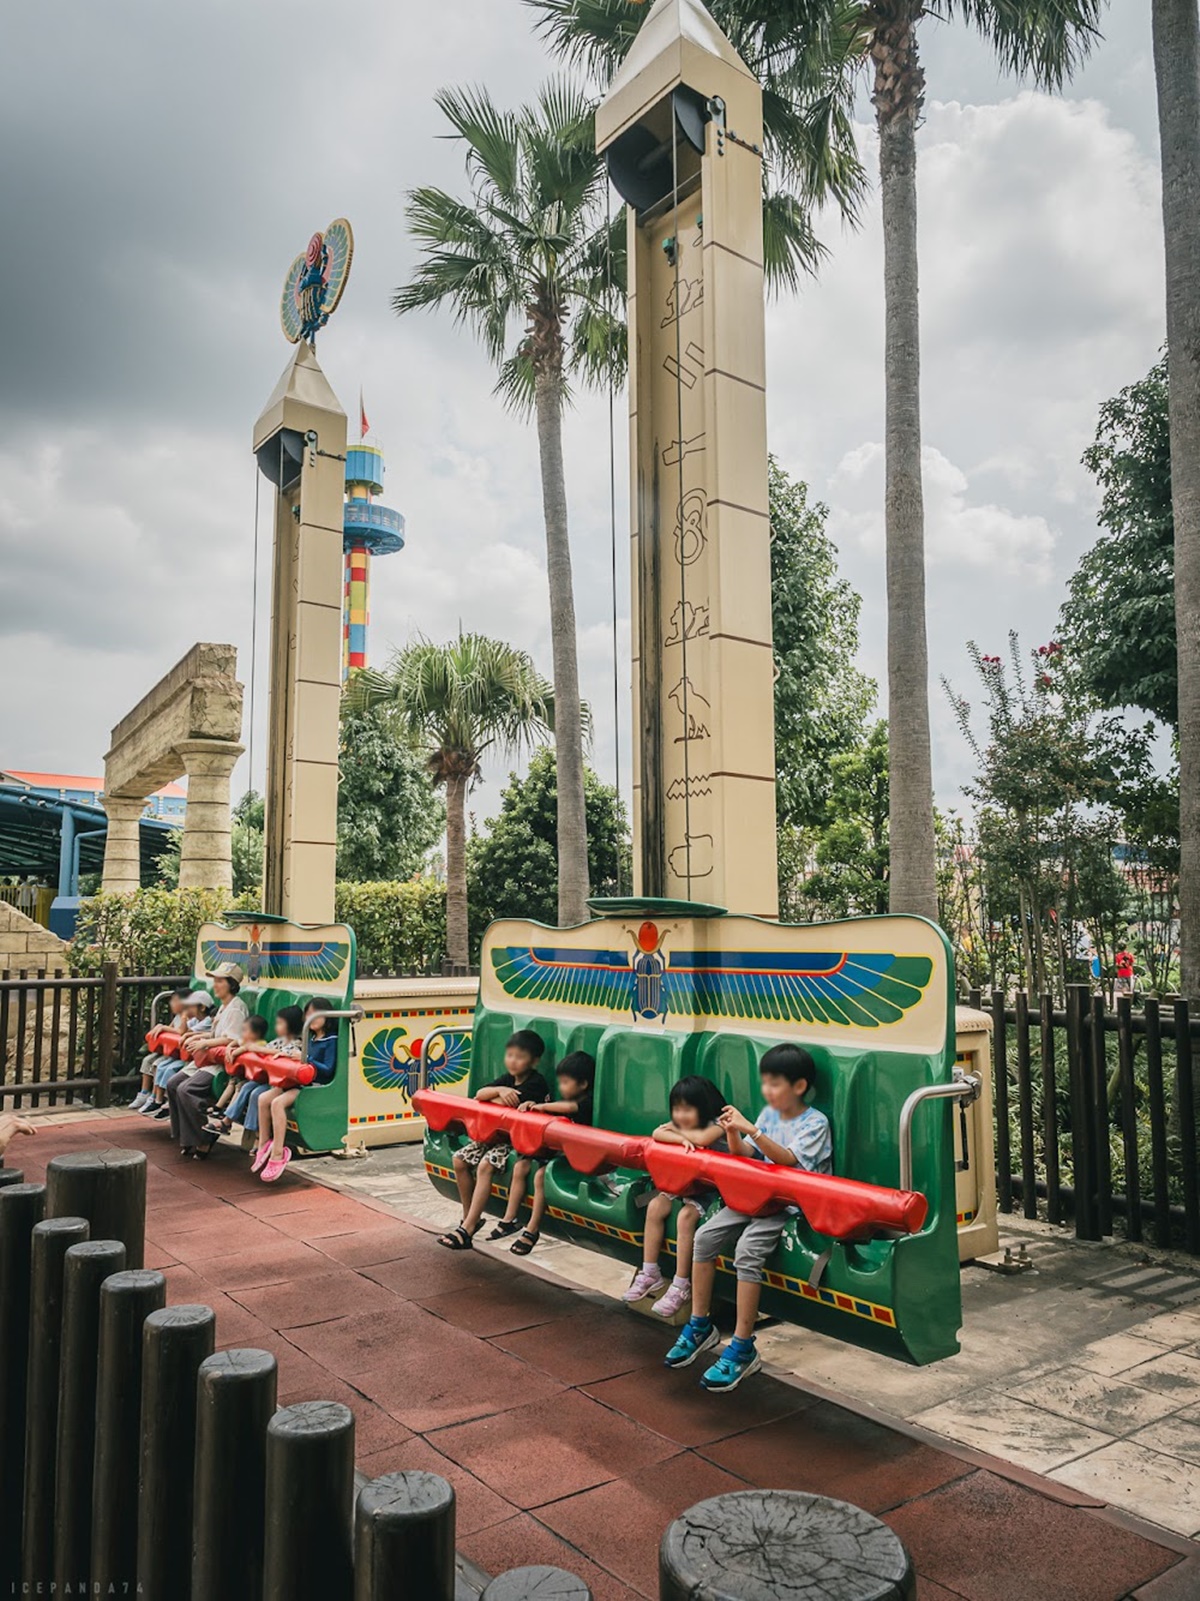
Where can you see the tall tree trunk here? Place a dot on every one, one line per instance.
(899, 92)
(568, 720)
(1177, 75)
(456, 871)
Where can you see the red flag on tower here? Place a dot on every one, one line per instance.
(362, 416)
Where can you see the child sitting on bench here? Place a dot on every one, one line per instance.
(158, 1067)
(273, 1152)
(696, 1105)
(479, 1163)
(254, 1035)
(576, 1074)
(792, 1133)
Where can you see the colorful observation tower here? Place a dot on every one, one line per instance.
(369, 529)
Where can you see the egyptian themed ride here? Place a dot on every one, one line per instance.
(692, 973)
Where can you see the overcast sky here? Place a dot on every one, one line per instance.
(162, 164)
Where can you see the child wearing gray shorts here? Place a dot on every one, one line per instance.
(793, 1134)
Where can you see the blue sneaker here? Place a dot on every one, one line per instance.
(696, 1335)
(736, 1362)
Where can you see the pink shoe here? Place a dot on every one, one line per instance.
(274, 1170)
(260, 1157)
(676, 1298)
(645, 1282)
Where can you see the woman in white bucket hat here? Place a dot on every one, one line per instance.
(189, 1094)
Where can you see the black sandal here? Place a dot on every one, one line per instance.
(458, 1239)
(525, 1244)
(504, 1228)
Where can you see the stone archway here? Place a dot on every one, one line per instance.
(190, 724)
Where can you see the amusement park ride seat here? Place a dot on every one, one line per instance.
(658, 990)
(285, 965)
(654, 991)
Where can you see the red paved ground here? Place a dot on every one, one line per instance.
(550, 1412)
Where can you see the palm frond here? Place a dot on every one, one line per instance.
(1045, 40)
(592, 34)
(790, 248)
(517, 383)
(492, 136)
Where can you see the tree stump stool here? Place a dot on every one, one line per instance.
(777, 1545)
(537, 1584)
(106, 1187)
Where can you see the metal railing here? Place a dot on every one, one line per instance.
(66, 1040)
(1096, 1114)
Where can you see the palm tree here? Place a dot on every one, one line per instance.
(1176, 26)
(531, 248)
(459, 700)
(795, 45)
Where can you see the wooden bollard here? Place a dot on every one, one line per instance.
(126, 1301)
(177, 1340)
(106, 1187)
(21, 1210)
(52, 1239)
(753, 1543)
(310, 1486)
(87, 1266)
(235, 1397)
(537, 1584)
(10, 1175)
(404, 1539)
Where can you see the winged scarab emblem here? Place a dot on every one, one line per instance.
(292, 962)
(839, 988)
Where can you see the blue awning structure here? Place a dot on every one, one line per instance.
(55, 840)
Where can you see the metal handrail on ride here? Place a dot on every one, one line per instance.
(163, 995)
(355, 1013)
(439, 1032)
(966, 1089)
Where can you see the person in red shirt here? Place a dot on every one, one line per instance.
(1123, 962)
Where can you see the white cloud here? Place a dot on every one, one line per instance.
(957, 532)
(155, 236)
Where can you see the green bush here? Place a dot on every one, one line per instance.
(398, 924)
(148, 930)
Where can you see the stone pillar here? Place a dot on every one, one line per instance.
(204, 860)
(703, 664)
(122, 846)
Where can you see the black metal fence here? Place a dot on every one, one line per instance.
(64, 1039)
(1096, 1114)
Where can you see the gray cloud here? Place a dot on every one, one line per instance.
(184, 156)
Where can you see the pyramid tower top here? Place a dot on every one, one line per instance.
(300, 398)
(678, 43)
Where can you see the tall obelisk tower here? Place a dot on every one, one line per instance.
(300, 443)
(682, 128)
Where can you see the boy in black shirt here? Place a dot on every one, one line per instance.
(576, 1075)
(477, 1164)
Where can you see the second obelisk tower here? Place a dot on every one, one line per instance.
(682, 129)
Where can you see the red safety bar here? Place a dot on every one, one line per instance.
(210, 1055)
(164, 1040)
(282, 1072)
(842, 1208)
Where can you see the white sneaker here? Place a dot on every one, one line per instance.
(140, 1100)
(676, 1298)
(645, 1282)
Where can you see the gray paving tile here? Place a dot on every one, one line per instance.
(1118, 1352)
(1162, 1488)
(1012, 1429)
(1171, 1328)
(1173, 1374)
(1099, 1401)
(1175, 1435)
